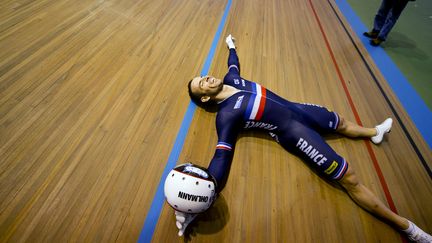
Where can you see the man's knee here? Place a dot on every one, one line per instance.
(350, 181)
(342, 126)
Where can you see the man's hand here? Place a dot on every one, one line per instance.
(183, 220)
(230, 41)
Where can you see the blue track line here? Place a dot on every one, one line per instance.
(159, 198)
(411, 101)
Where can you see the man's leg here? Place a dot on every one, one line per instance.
(353, 130)
(368, 201)
(350, 129)
(323, 120)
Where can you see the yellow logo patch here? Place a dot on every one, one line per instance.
(331, 168)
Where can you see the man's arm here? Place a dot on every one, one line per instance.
(233, 61)
(227, 128)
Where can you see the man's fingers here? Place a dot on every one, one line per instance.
(181, 232)
(180, 219)
(183, 220)
(229, 39)
(230, 42)
(179, 225)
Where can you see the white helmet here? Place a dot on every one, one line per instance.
(190, 188)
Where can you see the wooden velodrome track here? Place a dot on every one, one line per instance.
(93, 93)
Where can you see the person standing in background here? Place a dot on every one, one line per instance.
(385, 19)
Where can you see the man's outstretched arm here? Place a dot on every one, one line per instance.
(233, 61)
(219, 168)
(227, 133)
(227, 126)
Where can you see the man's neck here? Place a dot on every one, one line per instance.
(226, 92)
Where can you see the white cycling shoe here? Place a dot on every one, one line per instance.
(382, 129)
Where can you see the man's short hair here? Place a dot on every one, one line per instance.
(194, 97)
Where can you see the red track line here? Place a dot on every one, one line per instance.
(357, 117)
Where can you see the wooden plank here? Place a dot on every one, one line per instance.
(92, 94)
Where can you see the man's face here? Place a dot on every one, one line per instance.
(206, 86)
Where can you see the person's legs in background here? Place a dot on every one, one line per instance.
(391, 19)
(380, 19)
